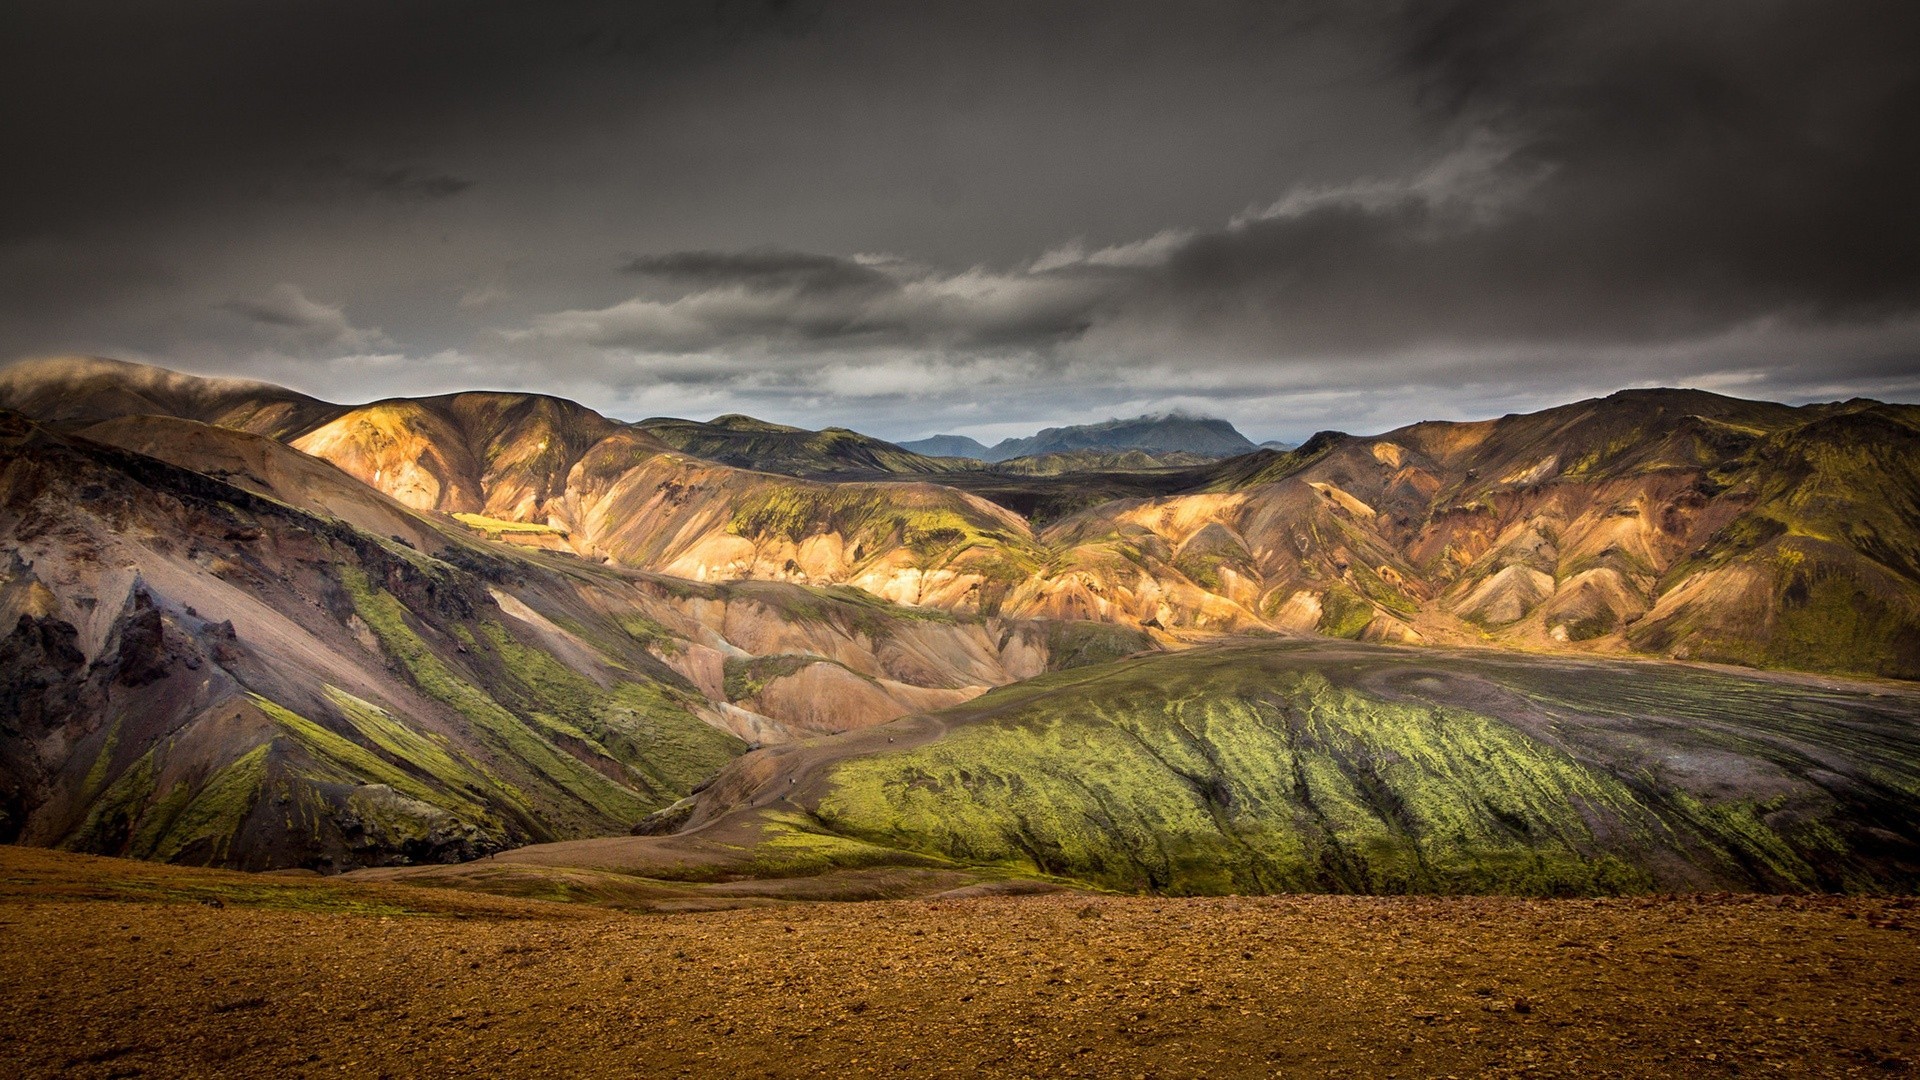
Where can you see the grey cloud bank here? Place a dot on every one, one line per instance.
(979, 218)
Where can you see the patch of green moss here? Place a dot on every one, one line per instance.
(653, 730)
(496, 526)
(746, 676)
(790, 846)
(1344, 612)
(565, 778)
(103, 761)
(211, 819)
(874, 519)
(1383, 592)
(418, 750)
(652, 634)
(650, 730)
(111, 821)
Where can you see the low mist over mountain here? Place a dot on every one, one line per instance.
(1170, 433)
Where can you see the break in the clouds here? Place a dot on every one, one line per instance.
(978, 217)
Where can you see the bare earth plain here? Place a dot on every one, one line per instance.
(112, 968)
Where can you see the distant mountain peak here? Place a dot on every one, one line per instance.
(947, 446)
(1169, 431)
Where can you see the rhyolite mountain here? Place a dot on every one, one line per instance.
(1654, 521)
(1667, 522)
(247, 627)
(1168, 433)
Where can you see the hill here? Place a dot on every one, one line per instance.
(948, 446)
(747, 443)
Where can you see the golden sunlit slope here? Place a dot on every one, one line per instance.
(1676, 522)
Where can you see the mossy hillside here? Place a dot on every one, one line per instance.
(747, 676)
(1849, 763)
(791, 845)
(204, 828)
(1834, 526)
(1344, 613)
(873, 520)
(756, 444)
(428, 755)
(650, 633)
(194, 818)
(435, 777)
(1827, 610)
(648, 729)
(652, 730)
(117, 813)
(1220, 778)
(566, 793)
(1272, 466)
(1271, 769)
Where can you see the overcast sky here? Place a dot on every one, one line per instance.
(975, 217)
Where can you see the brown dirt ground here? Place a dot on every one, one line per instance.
(111, 968)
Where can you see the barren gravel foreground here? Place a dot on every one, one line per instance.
(111, 968)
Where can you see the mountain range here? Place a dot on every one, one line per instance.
(246, 627)
(1169, 433)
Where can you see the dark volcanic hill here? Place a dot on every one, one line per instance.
(1170, 433)
(948, 446)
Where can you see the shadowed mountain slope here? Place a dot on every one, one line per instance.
(1201, 437)
(83, 389)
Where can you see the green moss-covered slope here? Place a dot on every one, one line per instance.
(1342, 768)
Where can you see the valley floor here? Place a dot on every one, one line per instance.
(112, 968)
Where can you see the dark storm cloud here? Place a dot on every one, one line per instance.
(1326, 214)
(141, 108)
(287, 311)
(763, 271)
(1619, 174)
(809, 302)
(1753, 154)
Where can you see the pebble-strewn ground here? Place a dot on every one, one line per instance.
(110, 968)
